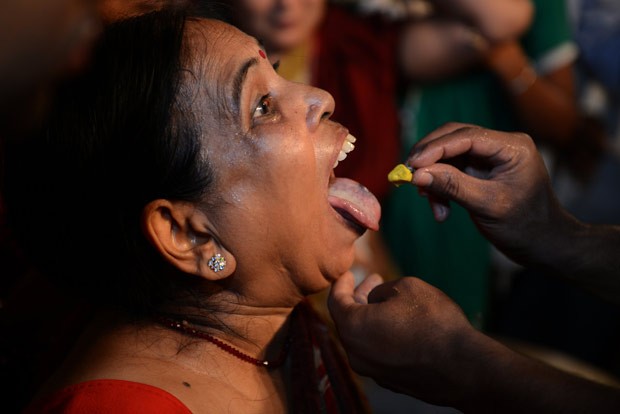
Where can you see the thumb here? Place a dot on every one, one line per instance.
(446, 182)
(341, 295)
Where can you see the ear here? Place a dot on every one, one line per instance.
(181, 233)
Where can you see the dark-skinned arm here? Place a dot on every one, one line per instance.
(411, 338)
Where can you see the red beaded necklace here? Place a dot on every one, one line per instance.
(186, 327)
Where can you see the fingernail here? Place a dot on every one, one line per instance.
(414, 156)
(422, 178)
(441, 212)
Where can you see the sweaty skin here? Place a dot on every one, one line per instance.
(401, 174)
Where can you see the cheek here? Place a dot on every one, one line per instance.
(314, 11)
(277, 175)
(315, 7)
(288, 163)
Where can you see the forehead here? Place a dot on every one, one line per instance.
(218, 49)
(216, 53)
(215, 32)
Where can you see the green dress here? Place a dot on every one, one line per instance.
(453, 256)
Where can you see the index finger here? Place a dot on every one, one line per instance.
(445, 129)
(475, 141)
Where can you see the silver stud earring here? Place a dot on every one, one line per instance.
(217, 263)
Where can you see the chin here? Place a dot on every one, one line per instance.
(315, 288)
(341, 270)
(325, 281)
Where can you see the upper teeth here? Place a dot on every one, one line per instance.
(347, 147)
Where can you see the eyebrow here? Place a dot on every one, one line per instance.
(239, 79)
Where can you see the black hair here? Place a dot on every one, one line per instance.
(119, 136)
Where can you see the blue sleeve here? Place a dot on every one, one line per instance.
(598, 37)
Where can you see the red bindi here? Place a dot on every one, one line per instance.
(262, 54)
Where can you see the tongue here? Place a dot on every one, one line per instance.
(355, 199)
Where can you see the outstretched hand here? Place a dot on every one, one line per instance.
(405, 334)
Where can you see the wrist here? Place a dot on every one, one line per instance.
(467, 373)
(559, 245)
(497, 377)
(512, 67)
(590, 258)
(523, 81)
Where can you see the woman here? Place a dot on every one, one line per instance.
(189, 189)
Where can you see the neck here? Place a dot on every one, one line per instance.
(259, 332)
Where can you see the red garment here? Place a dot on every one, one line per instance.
(321, 382)
(109, 396)
(356, 62)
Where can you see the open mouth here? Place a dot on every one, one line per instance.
(351, 200)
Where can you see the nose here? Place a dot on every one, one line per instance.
(320, 107)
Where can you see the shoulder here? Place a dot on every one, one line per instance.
(103, 396)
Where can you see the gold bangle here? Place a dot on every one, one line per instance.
(523, 81)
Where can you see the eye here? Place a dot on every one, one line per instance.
(264, 107)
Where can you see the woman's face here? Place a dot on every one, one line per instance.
(280, 24)
(273, 149)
